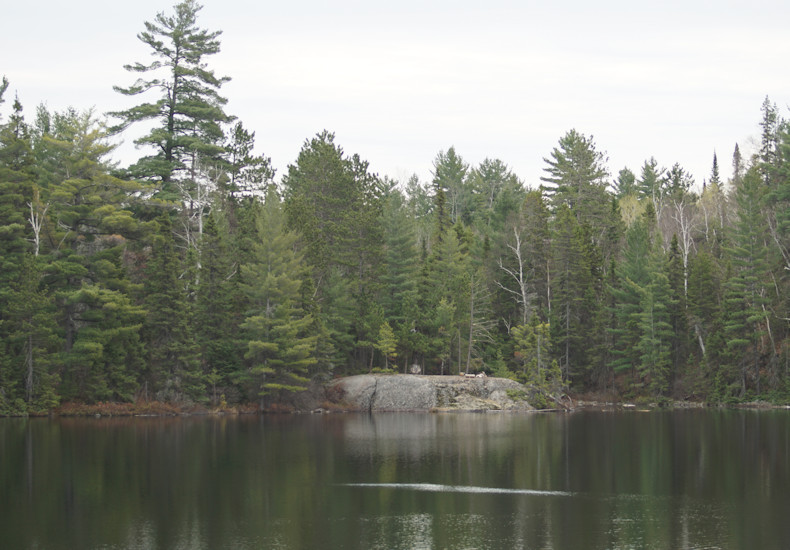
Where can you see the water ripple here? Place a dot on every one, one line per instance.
(438, 488)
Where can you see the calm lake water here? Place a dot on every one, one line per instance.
(615, 480)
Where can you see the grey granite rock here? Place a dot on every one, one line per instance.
(405, 392)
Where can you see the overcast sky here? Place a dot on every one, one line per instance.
(399, 81)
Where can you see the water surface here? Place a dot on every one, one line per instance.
(614, 480)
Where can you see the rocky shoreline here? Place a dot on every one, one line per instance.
(405, 392)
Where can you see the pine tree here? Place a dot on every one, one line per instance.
(83, 217)
(573, 288)
(650, 184)
(189, 113)
(173, 370)
(656, 334)
(496, 193)
(632, 277)
(280, 340)
(399, 276)
(746, 317)
(676, 305)
(386, 344)
(576, 177)
(30, 343)
(217, 317)
(450, 176)
(248, 174)
(334, 203)
(625, 184)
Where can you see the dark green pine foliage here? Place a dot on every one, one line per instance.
(650, 183)
(677, 307)
(746, 317)
(85, 234)
(677, 182)
(217, 316)
(521, 256)
(16, 191)
(573, 296)
(497, 193)
(187, 116)
(769, 157)
(334, 203)
(248, 174)
(399, 276)
(576, 177)
(16, 188)
(442, 303)
(280, 335)
(654, 320)
(107, 354)
(704, 318)
(450, 176)
(632, 277)
(778, 208)
(173, 368)
(28, 332)
(28, 376)
(625, 184)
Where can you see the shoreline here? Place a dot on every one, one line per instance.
(357, 395)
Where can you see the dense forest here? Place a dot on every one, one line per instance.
(197, 275)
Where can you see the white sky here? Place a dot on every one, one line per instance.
(399, 81)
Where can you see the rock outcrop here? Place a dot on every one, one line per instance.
(405, 392)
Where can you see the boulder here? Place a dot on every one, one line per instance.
(403, 392)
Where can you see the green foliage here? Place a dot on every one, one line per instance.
(281, 337)
(188, 113)
(202, 283)
(173, 366)
(387, 344)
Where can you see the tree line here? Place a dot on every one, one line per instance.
(195, 275)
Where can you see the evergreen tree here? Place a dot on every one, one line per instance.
(450, 176)
(650, 184)
(655, 325)
(625, 184)
(632, 277)
(188, 114)
(704, 316)
(746, 317)
(523, 256)
(248, 174)
(715, 179)
(173, 369)
(334, 203)
(676, 305)
(738, 167)
(573, 289)
(280, 342)
(217, 317)
(30, 343)
(576, 173)
(16, 190)
(401, 264)
(769, 155)
(386, 343)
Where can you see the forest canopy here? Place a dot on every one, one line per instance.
(195, 275)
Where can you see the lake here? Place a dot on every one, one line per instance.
(588, 479)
